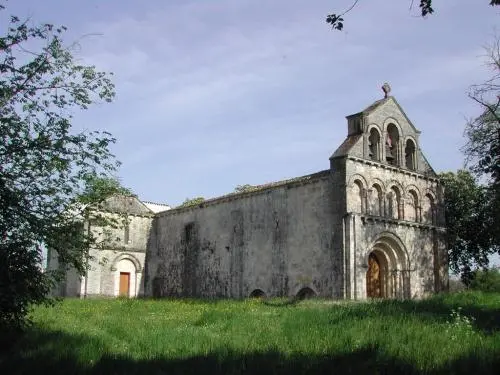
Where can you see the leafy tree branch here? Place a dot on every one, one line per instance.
(336, 20)
(46, 168)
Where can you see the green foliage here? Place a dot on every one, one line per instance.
(486, 280)
(192, 202)
(482, 150)
(447, 334)
(245, 188)
(337, 20)
(468, 222)
(43, 163)
(460, 326)
(98, 188)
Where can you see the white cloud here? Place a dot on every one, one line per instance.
(214, 88)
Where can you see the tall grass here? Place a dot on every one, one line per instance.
(457, 333)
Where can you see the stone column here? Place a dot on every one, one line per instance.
(364, 201)
(369, 198)
(382, 146)
(138, 275)
(403, 155)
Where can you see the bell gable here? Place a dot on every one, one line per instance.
(383, 133)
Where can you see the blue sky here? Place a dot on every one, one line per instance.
(213, 94)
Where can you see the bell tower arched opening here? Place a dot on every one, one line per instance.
(391, 145)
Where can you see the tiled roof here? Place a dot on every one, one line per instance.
(156, 207)
(372, 106)
(344, 148)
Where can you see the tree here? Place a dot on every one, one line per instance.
(44, 164)
(468, 221)
(192, 202)
(426, 8)
(482, 149)
(486, 280)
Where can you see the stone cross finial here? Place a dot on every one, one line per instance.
(386, 89)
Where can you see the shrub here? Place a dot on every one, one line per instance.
(486, 280)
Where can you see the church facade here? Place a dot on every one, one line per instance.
(369, 226)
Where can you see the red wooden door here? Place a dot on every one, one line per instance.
(124, 284)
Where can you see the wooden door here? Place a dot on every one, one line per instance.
(124, 284)
(373, 278)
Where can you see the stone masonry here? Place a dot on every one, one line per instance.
(370, 226)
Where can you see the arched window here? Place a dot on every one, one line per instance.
(376, 201)
(374, 144)
(126, 232)
(391, 145)
(412, 205)
(410, 155)
(394, 203)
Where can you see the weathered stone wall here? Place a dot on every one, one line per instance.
(372, 175)
(119, 252)
(314, 232)
(102, 278)
(418, 242)
(278, 240)
(418, 226)
(379, 117)
(70, 285)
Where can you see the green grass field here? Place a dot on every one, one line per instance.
(456, 333)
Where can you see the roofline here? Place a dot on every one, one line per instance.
(257, 190)
(158, 204)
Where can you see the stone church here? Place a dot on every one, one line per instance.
(369, 226)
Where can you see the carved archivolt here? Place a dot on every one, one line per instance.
(127, 256)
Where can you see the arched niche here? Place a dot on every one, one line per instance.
(356, 196)
(429, 209)
(376, 200)
(394, 209)
(412, 206)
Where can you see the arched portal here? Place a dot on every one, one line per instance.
(125, 274)
(387, 274)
